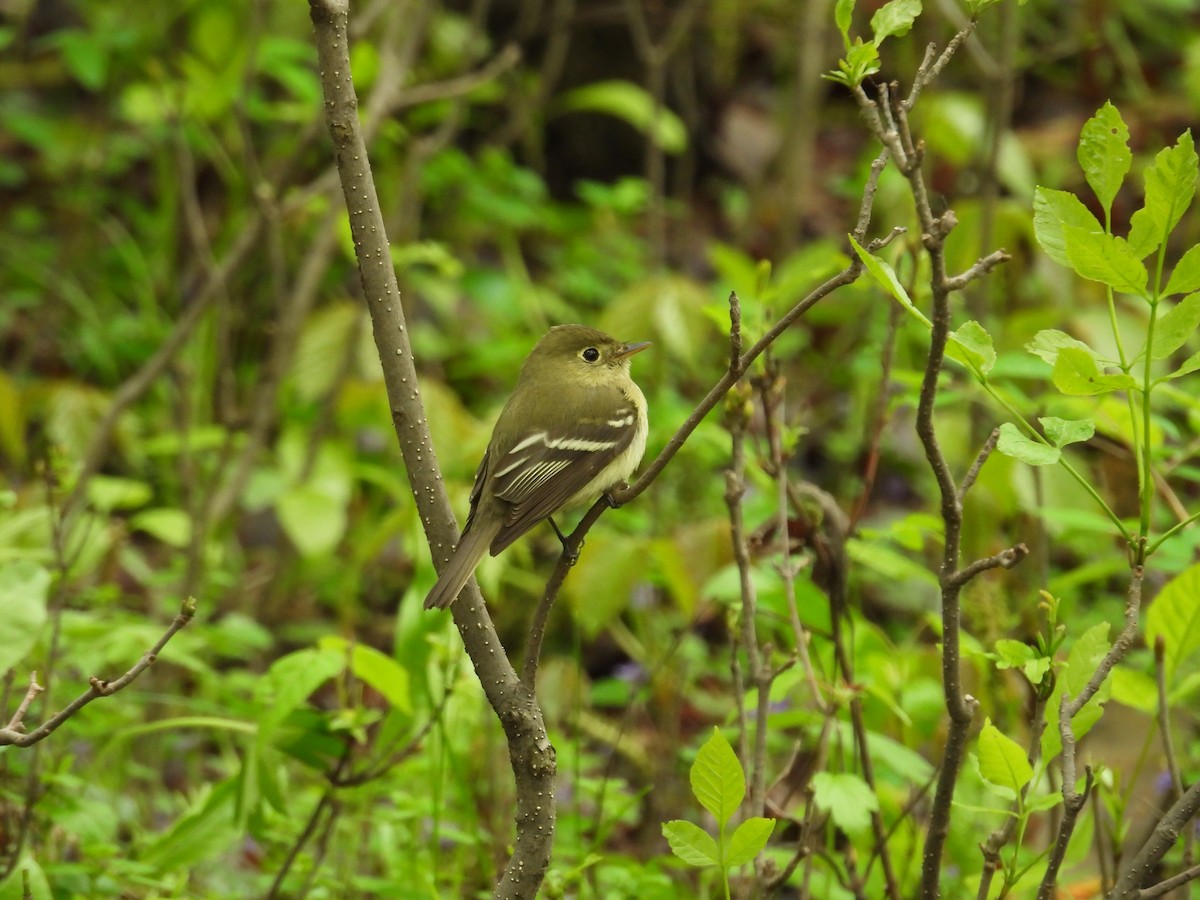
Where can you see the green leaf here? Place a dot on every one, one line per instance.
(632, 104)
(1185, 277)
(377, 669)
(1134, 689)
(1077, 374)
(894, 19)
(748, 841)
(862, 60)
(1173, 328)
(1061, 432)
(1104, 153)
(1175, 617)
(1170, 186)
(972, 346)
(1085, 654)
(718, 780)
(843, 15)
(1012, 654)
(1049, 342)
(1002, 762)
(1053, 211)
(23, 589)
(108, 493)
(886, 276)
(692, 844)
(1018, 446)
(312, 518)
(171, 526)
(26, 871)
(847, 798)
(1191, 364)
(1105, 258)
(292, 679)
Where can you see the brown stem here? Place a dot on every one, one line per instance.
(530, 752)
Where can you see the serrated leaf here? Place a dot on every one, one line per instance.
(1170, 186)
(847, 798)
(372, 667)
(748, 840)
(1002, 762)
(894, 19)
(1173, 328)
(1048, 342)
(1104, 153)
(1061, 432)
(1018, 446)
(1185, 277)
(1105, 258)
(718, 780)
(1077, 374)
(886, 276)
(1053, 211)
(24, 586)
(689, 842)
(1175, 617)
(972, 345)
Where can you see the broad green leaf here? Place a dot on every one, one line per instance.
(1077, 374)
(972, 345)
(171, 526)
(26, 871)
(718, 780)
(1104, 153)
(632, 104)
(208, 827)
(1049, 342)
(1134, 689)
(1061, 432)
(1012, 654)
(847, 798)
(1170, 186)
(886, 276)
(1105, 258)
(1002, 762)
(843, 15)
(1082, 660)
(1013, 443)
(692, 844)
(377, 669)
(23, 589)
(1185, 277)
(312, 518)
(292, 679)
(1043, 803)
(748, 840)
(1055, 210)
(1173, 328)
(894, 19)
(1175, 617)
(108, 493)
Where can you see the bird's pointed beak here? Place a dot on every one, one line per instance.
(630, 349)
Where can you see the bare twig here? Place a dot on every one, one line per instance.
(1073, 802)
(968, 480)
(1005, 559)
(13, 734)
(1165, 834)
(1165, 887)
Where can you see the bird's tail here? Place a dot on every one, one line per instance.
(470, 550)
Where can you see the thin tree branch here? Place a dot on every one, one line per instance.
(1165, 834)
(1165, 887)
(13, 734)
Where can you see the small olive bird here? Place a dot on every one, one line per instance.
(574, 427)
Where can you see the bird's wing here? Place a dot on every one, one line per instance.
(547, 467)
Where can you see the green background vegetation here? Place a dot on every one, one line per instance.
(167, 177)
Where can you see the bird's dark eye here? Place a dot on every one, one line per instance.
(591, 354)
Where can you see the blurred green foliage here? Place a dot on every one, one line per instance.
(312, 724)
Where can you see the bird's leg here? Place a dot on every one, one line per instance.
(610, 495)
(572, 553)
